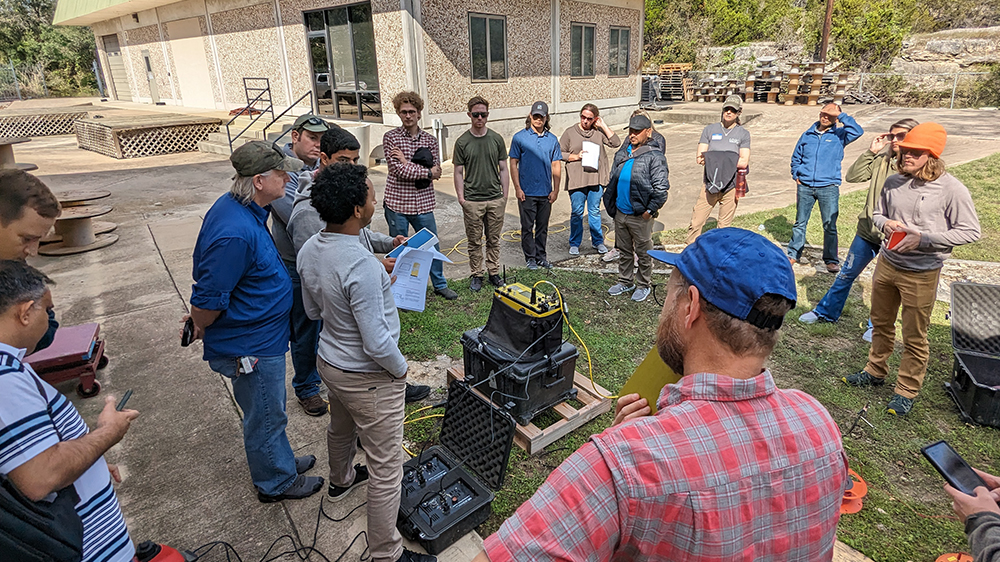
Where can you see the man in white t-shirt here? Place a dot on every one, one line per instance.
(45, 445)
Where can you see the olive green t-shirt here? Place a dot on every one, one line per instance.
(481, 157)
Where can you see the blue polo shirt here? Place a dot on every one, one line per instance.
(535, 154)
(624, 200)
(238, 270)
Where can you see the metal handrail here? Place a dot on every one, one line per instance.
(312, 109)
(249, 108)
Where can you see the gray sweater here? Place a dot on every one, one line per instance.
(346, 286)
(942, 210)
(304, 221)
(983, 530)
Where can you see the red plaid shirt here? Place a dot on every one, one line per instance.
(726, 470)
(401, 194)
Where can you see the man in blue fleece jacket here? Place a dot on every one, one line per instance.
(816, 170)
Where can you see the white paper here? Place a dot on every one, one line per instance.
(591, 155)
(412, 269)
(434, 253)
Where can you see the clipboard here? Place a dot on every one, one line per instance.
(649, 379)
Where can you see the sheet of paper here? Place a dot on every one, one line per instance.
(591, 155)
(434, 253)
(649, 379)
(412, 269)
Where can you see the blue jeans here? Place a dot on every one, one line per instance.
(261, 396)
(828, 198)
(399, 225)
(304, 339)
(862, 252)
(592, 199)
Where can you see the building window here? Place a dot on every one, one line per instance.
(618, 51)
(488, 42)
(582, 49)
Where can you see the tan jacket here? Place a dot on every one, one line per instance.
(572, 143)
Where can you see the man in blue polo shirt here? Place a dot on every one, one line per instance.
(240, 304)
(534, 169)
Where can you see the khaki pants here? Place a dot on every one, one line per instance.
(484, 217)
(634, 235)
(916, 291)
(703, 208)
(369, 406)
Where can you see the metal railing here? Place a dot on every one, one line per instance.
(312, 109)
(253, 119)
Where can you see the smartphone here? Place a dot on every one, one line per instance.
(895, 238)
(124, 400)
(953, 467)
(188, 335)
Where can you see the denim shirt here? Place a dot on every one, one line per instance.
(237, 270)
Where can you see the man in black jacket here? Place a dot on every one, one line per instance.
(637, 190)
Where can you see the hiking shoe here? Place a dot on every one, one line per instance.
(602, 249)
(410, 556)
(899, 405)
(303, 464)
(611, 256)
(620, 289)
(833, 267)
(303, 487)
(416, 392)
(862, 379)
(476, 283)
(447, 293)
(810, 317)
(641, 293)
(495, 280)
(867, 336)
(545, 264)
(532, 264)
(338, 493)
(314, 405)
(574, 250)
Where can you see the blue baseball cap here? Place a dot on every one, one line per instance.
(733, 268)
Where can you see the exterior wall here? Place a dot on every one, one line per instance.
(101, 29)
(601, 86)
(247, 40)
(142, 38)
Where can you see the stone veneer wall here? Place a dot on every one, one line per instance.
(247, 41)
(601, 86)
(147, 38)
(448, 63)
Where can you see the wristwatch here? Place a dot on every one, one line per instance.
(430, 175)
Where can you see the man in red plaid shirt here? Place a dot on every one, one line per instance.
(729, 468)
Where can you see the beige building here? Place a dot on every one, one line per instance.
(355, 56)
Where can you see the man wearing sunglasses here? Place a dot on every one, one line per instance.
(816, 171)
(481, 184)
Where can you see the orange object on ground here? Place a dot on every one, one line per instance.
(854, 495)
(954, 557)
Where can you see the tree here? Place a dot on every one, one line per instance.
(869, 33)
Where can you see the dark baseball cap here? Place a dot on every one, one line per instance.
(257, 157)
(639, 123)
(311, 123)
(540, 108)
(733, 268)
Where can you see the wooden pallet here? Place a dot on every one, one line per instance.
(532, 439)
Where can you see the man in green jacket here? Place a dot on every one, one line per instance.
(876, 164)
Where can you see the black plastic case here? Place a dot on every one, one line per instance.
(448, 489)
(975, 335)
(523, 388)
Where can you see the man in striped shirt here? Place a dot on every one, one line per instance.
(45, 445)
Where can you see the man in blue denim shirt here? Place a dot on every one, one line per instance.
(816, 170)
(240, 304)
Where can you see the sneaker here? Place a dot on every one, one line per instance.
(545, 264)
(863, 379)
(574, 250)
(602, 249)
(495, 280)
(532, 264)
(833, 267)
(447, 293)
(620, 289)
(303, 464)
(410, 556)
(641, 293)
(476, 283)
(868, 335)
(611, 255)
(810, 317)
(314, 405)
(303, 487)
(338, 493)
(416, 392)
(899, 405)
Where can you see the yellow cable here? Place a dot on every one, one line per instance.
(417, 410)
(590, 364)
(409, 452)
(423, 418)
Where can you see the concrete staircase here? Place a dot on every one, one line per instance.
(218, 143)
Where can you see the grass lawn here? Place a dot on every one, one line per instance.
(906, 515)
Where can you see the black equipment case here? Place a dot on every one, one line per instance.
(975, 335)
(442, 500)
(523, 388)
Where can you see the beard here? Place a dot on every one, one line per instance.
(669, 343)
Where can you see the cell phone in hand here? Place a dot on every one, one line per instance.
(187, 336)
(895, 238)
(953, 467)
(124, 400)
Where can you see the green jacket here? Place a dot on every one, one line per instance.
(873, 168)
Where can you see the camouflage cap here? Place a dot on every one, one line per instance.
(257, 157)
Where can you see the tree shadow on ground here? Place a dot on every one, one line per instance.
(779, 227)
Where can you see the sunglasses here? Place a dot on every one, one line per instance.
(731, 110)
(583, 118)
(480, 114)
(897, 136)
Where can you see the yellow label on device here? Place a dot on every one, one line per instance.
(649, 379)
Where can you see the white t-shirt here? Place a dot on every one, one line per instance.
(27, 429)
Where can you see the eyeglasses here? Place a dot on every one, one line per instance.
(480, 114)
(407, 112)
(897, 136)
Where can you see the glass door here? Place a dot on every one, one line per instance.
(344, 68)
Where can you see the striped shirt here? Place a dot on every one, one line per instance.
(27, 429)
(727, 470)
(401, 193)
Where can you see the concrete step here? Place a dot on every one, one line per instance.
(221, 146)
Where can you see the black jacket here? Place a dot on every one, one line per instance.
(649, 185)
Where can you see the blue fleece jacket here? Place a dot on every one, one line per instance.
(817, 155)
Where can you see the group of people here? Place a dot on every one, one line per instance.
(729, 467)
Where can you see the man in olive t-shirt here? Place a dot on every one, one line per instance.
(481, 181)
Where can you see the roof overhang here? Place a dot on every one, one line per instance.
(87, 12)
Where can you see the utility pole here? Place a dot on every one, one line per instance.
(827, 24)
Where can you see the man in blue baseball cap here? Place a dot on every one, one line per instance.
(728, 465)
